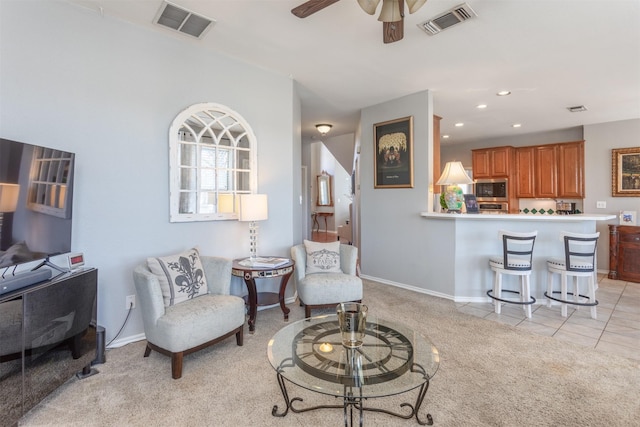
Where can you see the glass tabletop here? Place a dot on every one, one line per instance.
(393, 358)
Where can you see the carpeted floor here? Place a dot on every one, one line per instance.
(490, 375)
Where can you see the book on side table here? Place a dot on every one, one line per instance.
(264, 262)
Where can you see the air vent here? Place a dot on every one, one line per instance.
(448, 19)
(183, 20)
(577, 108)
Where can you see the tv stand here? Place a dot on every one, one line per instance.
(48, 263)
(47, 335)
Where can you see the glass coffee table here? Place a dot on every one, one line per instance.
(393, 359)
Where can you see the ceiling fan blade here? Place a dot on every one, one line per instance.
(394, 31)
(311, 7)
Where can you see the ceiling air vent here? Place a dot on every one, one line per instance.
(577, 108)
(447, 19)
(183, 20)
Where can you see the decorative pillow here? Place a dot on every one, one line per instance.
(181, 276)
(323, 257)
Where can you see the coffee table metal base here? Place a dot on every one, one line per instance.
(353, 402)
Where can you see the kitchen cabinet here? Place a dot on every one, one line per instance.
(624, 253)
(492, 162)
(550, 171)
(545, 166)
(571, 170)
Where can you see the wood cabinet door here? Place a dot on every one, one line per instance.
(481, 162)
(524, 176)
(546, 182)
(571, 170)
(500, 160)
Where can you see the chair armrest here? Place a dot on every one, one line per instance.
(348, 259)
(149, 295)
(299, 256)
(217, 270)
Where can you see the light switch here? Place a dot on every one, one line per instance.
(601, 205)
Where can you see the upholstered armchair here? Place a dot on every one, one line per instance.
(327, 289)
(194, 323)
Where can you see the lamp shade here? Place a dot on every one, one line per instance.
(414, 5)
(253, 207)
(454, 174)
(9, 197)
(390, 11)
(369, 6)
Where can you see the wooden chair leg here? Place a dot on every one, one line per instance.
(147, 351)
(176, 365)
(307, 311)
(240, 336)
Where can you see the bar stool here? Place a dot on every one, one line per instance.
(579, 261)
(516, 259)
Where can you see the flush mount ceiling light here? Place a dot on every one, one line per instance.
(503, 93)
(516, 125)
(323, 128)
(577, 108)
(185, 21)
(481, 106)
(459, 125)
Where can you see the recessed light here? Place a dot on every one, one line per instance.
(459, 125)
(445, 136)
(481, 106)
(503, 93)
(516, 125)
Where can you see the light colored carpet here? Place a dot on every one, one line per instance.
(490, 375)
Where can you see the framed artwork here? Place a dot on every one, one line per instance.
(471, 203)
(393, 157)
(628, 217)
(625, 172)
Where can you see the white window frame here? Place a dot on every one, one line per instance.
(222, 119)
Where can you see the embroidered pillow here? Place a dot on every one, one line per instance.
(181, 276)
(323, 257)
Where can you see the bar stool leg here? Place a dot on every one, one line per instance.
(592, 297)
(563, 293)
(497, 291)
(526, 291)
(549, 287)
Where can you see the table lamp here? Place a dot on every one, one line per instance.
(8, 203)
(253, 207)
(453, 175)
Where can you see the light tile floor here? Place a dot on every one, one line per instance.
(617, 329)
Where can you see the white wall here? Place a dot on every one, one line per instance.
(108, 91)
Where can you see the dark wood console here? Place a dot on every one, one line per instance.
(47, 335)
(624, 253)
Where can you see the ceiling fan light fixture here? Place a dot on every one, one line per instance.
(323, 128)
(414, 5)
(369, 6)
(390, 11)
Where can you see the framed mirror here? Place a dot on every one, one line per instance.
(324, 190)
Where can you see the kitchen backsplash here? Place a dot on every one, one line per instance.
(546, 206)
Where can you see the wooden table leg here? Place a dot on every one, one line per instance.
(252, 299)
(283, 286)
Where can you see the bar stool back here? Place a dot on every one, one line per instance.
(579, 261)
(516, 259)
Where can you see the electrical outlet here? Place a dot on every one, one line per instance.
(601, 205)
(131, 301)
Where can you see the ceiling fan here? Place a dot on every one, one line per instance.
(391, 13)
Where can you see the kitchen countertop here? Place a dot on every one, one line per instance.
(520, 217)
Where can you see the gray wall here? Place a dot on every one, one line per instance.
(108, 91)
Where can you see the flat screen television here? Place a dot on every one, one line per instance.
(36, 203)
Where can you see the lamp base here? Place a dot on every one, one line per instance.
(454, 198)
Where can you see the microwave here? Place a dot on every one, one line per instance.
(492, 190)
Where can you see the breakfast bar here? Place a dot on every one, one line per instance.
(472, 238)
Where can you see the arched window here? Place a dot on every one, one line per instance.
(212, 152)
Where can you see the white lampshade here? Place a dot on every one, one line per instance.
(454, 174)
(9, 197)
(414, 5)
(225, 203)
(390, 11)
(369, 6)
(253, 207)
